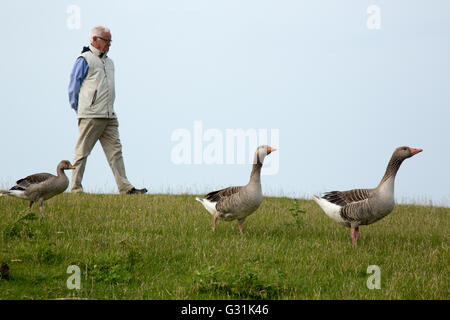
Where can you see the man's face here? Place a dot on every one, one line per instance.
(103, 42)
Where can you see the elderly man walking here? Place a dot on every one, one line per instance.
(91, 95)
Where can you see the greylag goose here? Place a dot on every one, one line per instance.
(41, 186)
(365, 206)
(238, 202)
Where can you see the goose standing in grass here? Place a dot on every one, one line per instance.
(41, 186)
(238, 202)
(365, 206)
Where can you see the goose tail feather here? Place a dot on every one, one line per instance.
(331, 210)
(15, 193)
(209, 205)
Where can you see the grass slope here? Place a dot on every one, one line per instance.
(162, 247)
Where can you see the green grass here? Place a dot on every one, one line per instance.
(162, 247)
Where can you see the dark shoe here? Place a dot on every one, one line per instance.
(137, 191)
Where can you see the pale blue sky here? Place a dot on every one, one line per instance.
(342, 96)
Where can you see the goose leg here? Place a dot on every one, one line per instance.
(29, 207)
(41, 207)
(240, 222)
(240, 228)
(214, 222)
(357, 233)
(354, 233)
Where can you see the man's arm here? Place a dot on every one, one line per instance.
(79, 73)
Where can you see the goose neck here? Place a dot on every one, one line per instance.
(255, 176)
(60, 172)
(391, 170)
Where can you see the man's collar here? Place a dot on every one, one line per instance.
(96, 51)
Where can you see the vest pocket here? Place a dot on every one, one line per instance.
(93, 98)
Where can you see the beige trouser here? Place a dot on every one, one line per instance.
(107, 131)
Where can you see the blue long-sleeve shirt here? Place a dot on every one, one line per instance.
(77, 76)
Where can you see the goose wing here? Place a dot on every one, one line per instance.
(218, 195)
(357, 211)
(227, 200)
(343, 198)
(33, 179)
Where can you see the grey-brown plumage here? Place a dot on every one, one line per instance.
(357, 207)
(237, 203)
(41, 186)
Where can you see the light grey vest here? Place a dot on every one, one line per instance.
(97, 93)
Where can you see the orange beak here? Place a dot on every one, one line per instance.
(270, 150)
(415, 151)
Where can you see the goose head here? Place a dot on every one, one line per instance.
(399, 155)
(262, 152)
(402, 153)
(65, 165)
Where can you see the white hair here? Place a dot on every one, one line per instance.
(97, 32)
